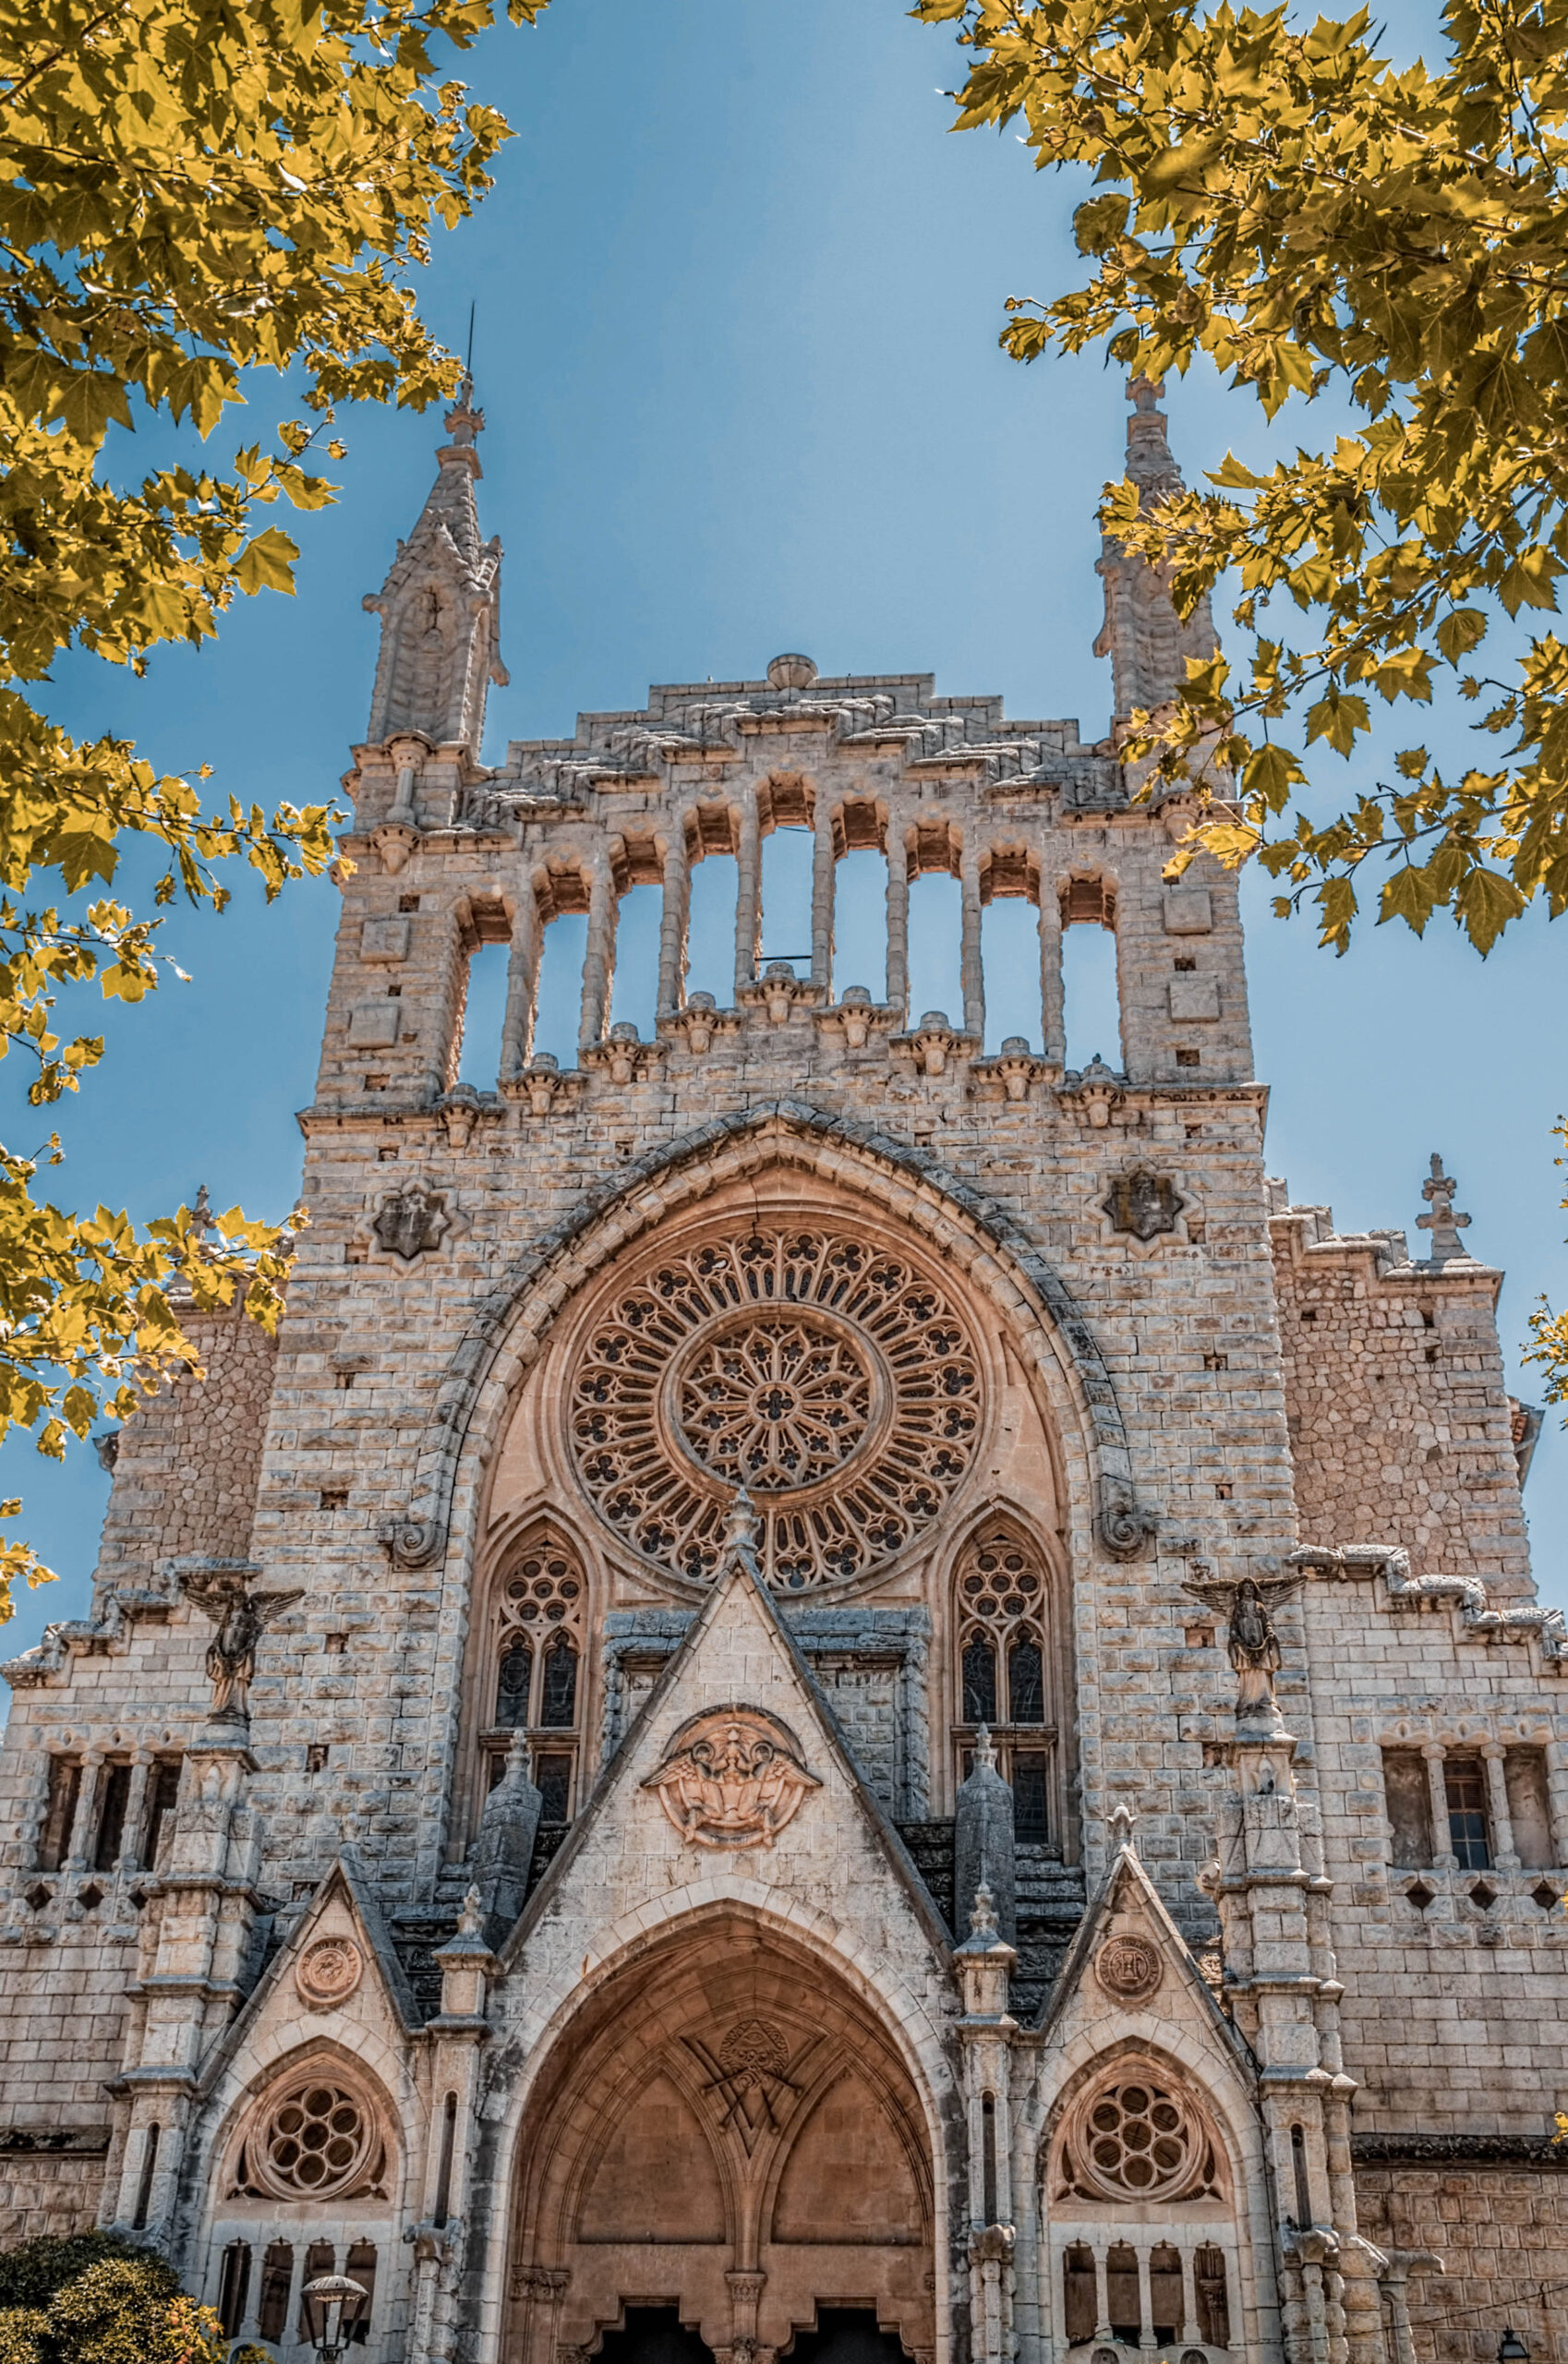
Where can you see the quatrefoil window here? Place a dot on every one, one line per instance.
(833, 1379)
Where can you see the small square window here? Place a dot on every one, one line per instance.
(1224, 1491)
(375, 1083)
(1186, 968)
(1217, 1362)
(1188, 1059)
(1199, 1637)
(408, 903)
(334, 1498)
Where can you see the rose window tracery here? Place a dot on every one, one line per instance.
(317, 2142)
(833, 1379)
(1135, 2139)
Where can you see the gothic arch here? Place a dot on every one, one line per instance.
(536, 1592)
(1045, 1615)
(508, 1328)
(695, 2133)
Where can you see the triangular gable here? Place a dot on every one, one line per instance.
(342, 1907)
(1128, 1906)
(738, 1653)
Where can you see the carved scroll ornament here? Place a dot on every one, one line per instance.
(731, 1778)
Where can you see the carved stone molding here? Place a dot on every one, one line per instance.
(699, 1023)
(935, 1043)
(328, 1972)
(1013, 1069)
(1144, 1203)
(544, 1084)
(780, 993)
(1128, 1967)
(1099, 1092)
(857, 1017)
(623, 1056)
(411, 1222)
(1123, 1527)
(731, 1778)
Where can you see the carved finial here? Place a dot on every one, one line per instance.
(201, 1221)
(983, 1914)
(985, 1754)
(471, 1920)
(1441, 1221)
(741, 1526)
(1124, 1820)
(1144, 392)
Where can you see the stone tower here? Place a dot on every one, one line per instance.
(840, 1693)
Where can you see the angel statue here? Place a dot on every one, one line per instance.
(241, 1616)
(1251, 1645)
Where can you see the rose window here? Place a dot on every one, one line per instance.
(834, 1382)
(318, 2143)
(1137, 2139)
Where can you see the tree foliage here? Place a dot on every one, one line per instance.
(1314, 218)
(191, 192)
(97, 2298)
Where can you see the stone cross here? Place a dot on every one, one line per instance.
(1441, 1222)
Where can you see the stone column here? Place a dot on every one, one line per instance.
(1186, 2250)
(439, 2238)
(985, 1965)
(1443, 1856)
(206, 1900)
(1504, 1854)
(1053, 1019)
(673, 917)
(1100, 2246)
(748, 880)
(972, 966)
(824, 875)
(129, 1859)
(598, 965)
(897, 920)
(522, 984)
(81, 1842)
(1556, 1798)
(1146, 2340)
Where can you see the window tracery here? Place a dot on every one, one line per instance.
(319, 2138)
(1137, 2137)
(835, 1380)
(534, 1675)
(1002, 1639)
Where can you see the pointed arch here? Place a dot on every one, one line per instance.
(508, 1328)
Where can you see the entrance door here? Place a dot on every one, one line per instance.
(725, 2139)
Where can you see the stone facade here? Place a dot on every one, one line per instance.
(839, 1684)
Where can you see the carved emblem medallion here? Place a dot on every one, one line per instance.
(731, 1778)
(411, 1222)
(1128, 1967)
(1143, 1204)
(328, 1972)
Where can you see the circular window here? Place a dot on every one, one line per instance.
(833, 1380)
(1137, 2139)
(318, 2143)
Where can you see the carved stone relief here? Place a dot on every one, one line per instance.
(731, 1778)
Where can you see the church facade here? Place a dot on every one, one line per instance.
(840, 1693)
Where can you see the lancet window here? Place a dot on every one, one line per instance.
(1005, 1675)
(535, 1674)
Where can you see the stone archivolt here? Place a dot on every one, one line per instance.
(723, 2123)
(831, 1377)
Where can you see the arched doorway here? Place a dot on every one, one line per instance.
(725, 2148)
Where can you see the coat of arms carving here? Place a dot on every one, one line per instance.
(411, 1221)
(731, 1778)
(1144, 1203)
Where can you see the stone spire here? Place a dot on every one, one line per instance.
(440, 607)
(1146, 641)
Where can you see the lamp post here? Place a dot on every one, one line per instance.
(1511, 2349)
(333, 2306)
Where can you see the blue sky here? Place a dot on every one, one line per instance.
(738, 294)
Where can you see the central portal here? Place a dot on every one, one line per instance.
(725, 2151)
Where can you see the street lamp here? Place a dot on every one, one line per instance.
(333, 2306)
(1511, 2349)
